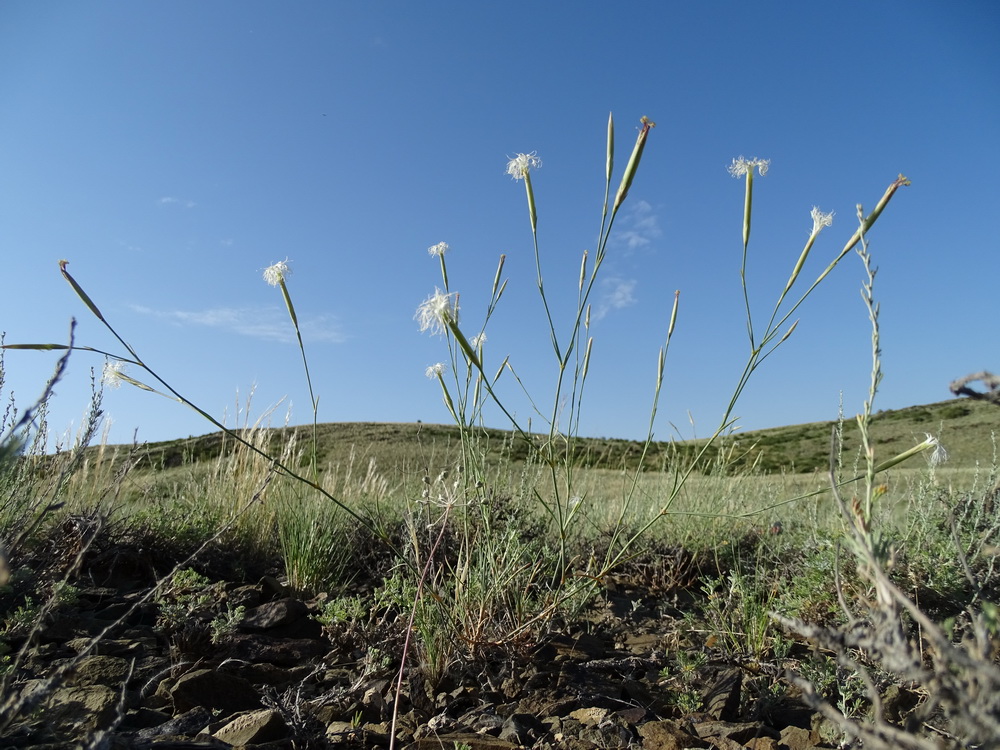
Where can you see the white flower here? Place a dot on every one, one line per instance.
(820, 220)
(939, 455)
(741, 167)
(112, 375)
(521, 164)
(477, 341)
(435, 370)
(276, 273)
(437, 312)
(439, 249)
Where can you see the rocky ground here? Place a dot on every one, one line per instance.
(275, 677)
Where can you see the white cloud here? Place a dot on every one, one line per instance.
(169, 200)
(638, 227)
(269, 323)
(616, 294)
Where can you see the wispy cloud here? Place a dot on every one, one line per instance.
(268, 323)
(169, 200)
(638, 226)
(616, 294)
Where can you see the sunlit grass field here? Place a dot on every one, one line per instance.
(752, 480)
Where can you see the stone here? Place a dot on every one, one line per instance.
(188, 723)
(274, 614)
(797, 738)
(80, 711)
(590, 716)
(740, 733)
(523, 729)
(722, 699)
(666, 735)
(280, 652)
(472, 741)
(254, 728)
(101, 670)
(213, 689)
(144, 718)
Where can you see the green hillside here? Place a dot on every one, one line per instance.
(966, 428)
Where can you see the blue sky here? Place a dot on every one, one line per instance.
(172, 151)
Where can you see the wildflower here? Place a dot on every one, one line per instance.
(113, 373)
(820, 220)
(477, 341)
(435, 370)
(520, 165)
(939, 455)
(437, 312)
(438, 250)
(741, 167)
(276, 273)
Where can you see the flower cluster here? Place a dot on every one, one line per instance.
(741, 167)
(438, 312)
(820, 220)
(276, 273)
(438, 250)
(113, 373)
(939, 454)
(520, 165)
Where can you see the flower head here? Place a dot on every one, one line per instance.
(112, 375)
(438, 250)
(477, 341)
(437, 312)
(820, 220)
(435, 370)
(520, 165)
(937, 456)
(276, 273)
(742, 167)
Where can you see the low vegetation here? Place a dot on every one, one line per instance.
(846, 570)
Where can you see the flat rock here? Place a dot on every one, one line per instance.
(274, 614)
(213, 689)
(79, 711)
(667, 735)
(254, 728)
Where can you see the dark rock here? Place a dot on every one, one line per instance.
(144, 718)
(80, 711)
(213, 689)
(522, 728)
(100, 670)
(667, 735)
(897, 702)
(271, 587)
(280, 652)
(722, 699)
(187, 724)
(472, 741)
(739, 733)
(270, 674)
(274, 614)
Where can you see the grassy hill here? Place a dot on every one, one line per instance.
(966, 428)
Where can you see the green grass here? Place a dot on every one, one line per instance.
(965, 427)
